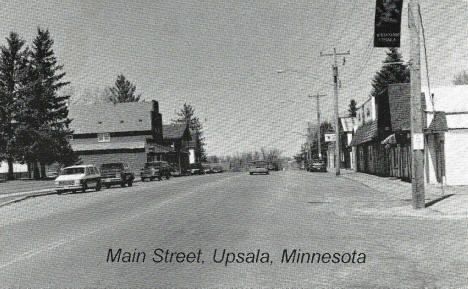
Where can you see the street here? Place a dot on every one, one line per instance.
(63, 241)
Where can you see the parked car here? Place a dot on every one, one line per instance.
(116, 174)
(259, 167)
(317, 166)
(217, 169)
(78, 178)
(156, 170)
(207, 169)
(52, 173)
(196, 169)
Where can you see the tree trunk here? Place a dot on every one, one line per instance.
(10, 175)
(43, 171)
(36, 170)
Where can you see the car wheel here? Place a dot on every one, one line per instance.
(251, 174)
(107, 186)
(84, 187)
(98, 186)
(130, 183)
(59, 192)
(122, 184)
(151, 179)
(168, 176)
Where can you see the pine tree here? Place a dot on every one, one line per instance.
(187, 115)
(46, 113)
(123, 91)
(390, 73)
(13, 67)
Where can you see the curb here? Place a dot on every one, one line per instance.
(30, 194)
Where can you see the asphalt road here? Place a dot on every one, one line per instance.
(63, 241)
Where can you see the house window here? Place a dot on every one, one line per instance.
(103, 137)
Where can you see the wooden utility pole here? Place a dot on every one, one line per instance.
(337, 117)
(417, 136)
(319, 144)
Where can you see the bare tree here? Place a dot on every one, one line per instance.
(461, 78)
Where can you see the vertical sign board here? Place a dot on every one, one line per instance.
(387, 23)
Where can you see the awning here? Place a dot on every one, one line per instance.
(389, 140)
(365, 133)
(107, 146)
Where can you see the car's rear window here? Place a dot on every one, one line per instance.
(72, 171)
(112, 166)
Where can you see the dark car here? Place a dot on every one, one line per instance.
(156, 170)
(197, 169)
(116, 174)
(217, 169)
(317, 166)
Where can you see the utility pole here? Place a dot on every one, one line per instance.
(319, 145)
(337, 117)
(417, 136)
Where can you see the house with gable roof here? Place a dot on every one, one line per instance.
(122, 132)
(177, 137)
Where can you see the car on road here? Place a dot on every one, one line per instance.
(78, 178)
(197, 169)
(259, 167)
(217, 169)
(156, 170)
(116, 174)
(317, 166)
(207, 169)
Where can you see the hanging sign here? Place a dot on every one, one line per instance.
(329, 137)
(387, 23)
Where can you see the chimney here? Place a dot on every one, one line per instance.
(156, 123)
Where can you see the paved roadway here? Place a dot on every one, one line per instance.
(62, 241)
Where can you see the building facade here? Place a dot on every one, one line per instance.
(122, 132)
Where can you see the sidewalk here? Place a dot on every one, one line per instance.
(446, 201)
(17, 190)
(18, 186)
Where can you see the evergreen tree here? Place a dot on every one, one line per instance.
(123, 91)
(390, 73)
(46, 114)
(187, 115)
(13, 70)
(352, 108)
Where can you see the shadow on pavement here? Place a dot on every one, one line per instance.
(428, 204)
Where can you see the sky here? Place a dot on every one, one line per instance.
(223, 57)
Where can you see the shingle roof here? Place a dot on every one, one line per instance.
(108, 146)
(399, 98)
(439, 122)
(365, 133)
(173, 131)
(120, 117)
